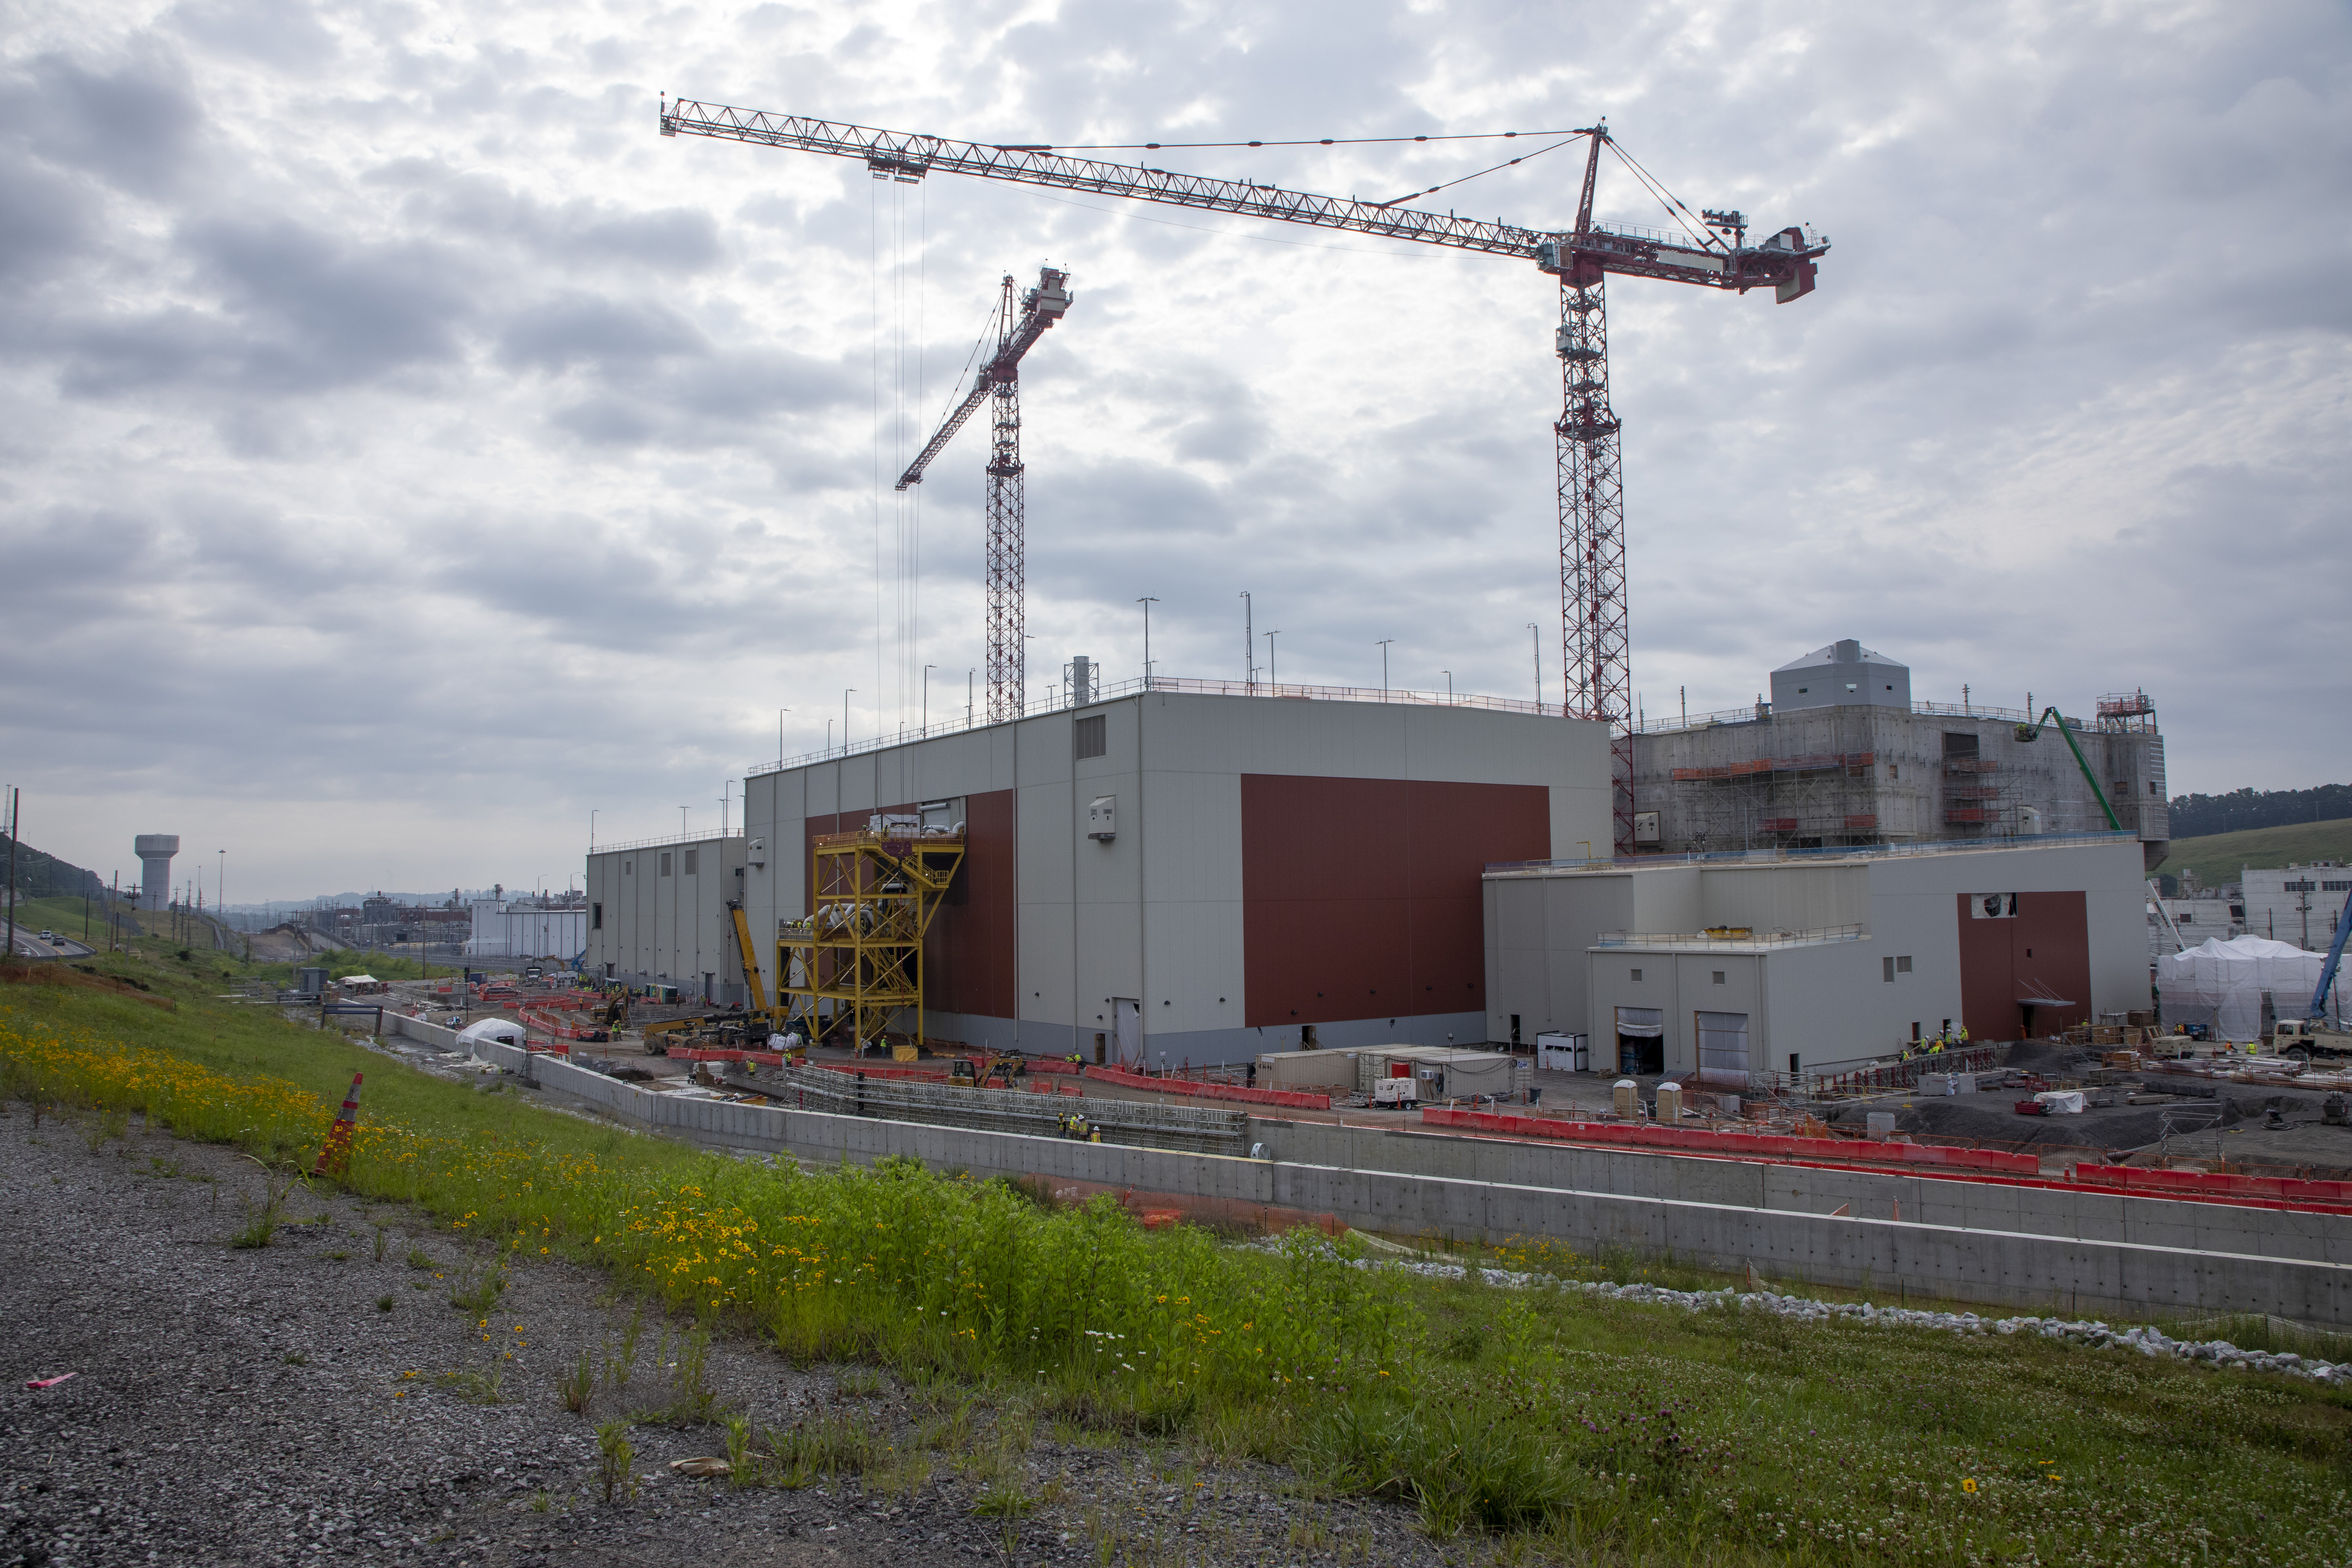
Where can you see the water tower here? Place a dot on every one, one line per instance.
(155, 851)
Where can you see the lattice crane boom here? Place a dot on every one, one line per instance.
(1595, 662)
(1040, 309)
(1007, 508)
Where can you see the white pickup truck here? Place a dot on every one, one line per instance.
(2307, 1041)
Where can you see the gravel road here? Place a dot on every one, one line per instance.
(316, 1399)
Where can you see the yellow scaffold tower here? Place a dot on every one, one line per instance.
(856, 961)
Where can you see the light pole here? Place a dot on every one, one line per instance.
(780, 735)
(967, 695)
(591, 833)
(725, 799)
(844, 718)
(1147, 602)
(927, 696)
(1249, 641)
(1534, 640)
(1271, 678)
(1384, 668)
(1449, 685)
(682, 822)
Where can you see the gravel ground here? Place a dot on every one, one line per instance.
(312, 1400)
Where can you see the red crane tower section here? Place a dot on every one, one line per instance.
(1000, 379)
(1596, 668)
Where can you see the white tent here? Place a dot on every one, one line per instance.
(2221, 983)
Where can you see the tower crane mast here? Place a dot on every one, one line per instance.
(1000, 379)
(1596, 665)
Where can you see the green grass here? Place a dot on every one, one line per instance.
(1569, 1426)
(2221, 857)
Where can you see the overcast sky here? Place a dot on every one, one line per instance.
(405, 450)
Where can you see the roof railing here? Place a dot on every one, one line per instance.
(1180, 685)
(1833, 851)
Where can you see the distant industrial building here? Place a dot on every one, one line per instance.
(1841, 756)
(2213, 913)
(1732, 966)
(658, 914)
(551, 927)
(2299, 904)
(1194, 871)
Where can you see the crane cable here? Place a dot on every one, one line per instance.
(1449, 184)
(1301, 142)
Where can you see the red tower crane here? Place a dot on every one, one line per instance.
(1596, 672)
(1007, 490)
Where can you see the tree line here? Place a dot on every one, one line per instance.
(2195, 815)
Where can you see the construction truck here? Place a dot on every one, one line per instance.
(2310, 1038)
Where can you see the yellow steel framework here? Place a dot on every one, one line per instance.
(753, 988)
(872, 895)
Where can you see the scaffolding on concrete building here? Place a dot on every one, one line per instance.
(856, 962)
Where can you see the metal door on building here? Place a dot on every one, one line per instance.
(1723, 1048)
(1128, 1019)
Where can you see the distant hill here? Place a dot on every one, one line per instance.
(40, 876)
(2207, 815)
(2218, 858)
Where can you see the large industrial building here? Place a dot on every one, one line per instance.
(1198, 872)
(1192, 872)
(658, 915)
(2299, 903)
(1736, 965)
(1840, 756)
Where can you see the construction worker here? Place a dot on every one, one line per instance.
(1093, 1134)
(1962, 1037)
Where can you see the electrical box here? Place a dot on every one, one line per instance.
(1102, 818)
(759, 848)
(1645, 827)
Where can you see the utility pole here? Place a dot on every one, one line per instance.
(1249, 642)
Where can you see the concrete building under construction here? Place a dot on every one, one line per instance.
(1840, 756)
(1191, 870)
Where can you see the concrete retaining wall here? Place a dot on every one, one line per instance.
(1971, 1241)
(1805, 1189)
(424, 1029)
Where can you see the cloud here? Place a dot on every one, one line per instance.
(394, 418)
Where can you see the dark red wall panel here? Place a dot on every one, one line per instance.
(1360, 897)
(969, 958)
(2045, 949)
